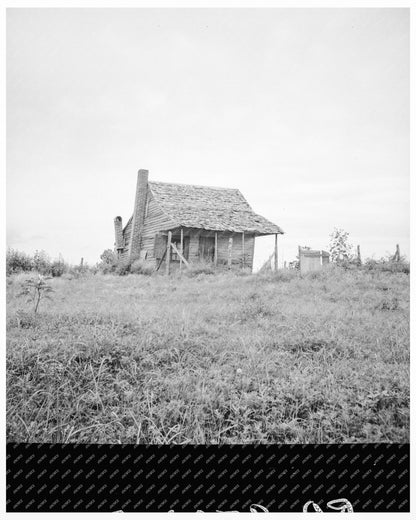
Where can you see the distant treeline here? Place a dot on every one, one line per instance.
(41, 262)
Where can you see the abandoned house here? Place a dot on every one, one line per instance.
(180, 224)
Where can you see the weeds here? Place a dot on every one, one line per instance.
(212, 359)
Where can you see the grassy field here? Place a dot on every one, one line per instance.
(211, 359)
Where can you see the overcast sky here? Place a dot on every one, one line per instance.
(306, 111)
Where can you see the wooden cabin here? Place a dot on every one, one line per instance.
(204, 224)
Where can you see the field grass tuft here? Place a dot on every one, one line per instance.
(267, 358)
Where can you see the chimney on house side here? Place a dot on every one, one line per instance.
(138, 214)
(118, 229)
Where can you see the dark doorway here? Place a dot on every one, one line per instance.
(207, 248)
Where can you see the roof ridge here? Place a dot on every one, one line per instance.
(194, 185)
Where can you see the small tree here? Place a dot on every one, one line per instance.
(339, 246)
(36, 290)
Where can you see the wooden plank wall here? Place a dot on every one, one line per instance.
(155, 220)
(237, 250)
(310, 263)
(223, 240)
(312, 260)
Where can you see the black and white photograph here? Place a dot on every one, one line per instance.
(208, 238)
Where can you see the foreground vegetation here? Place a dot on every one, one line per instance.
(222, 358)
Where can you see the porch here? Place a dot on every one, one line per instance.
(183, 246)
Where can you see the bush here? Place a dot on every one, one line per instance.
(141, 267)
(108, 262)
(42, 262)
(17, 262)
(58, 268)
(387, 265)
(122, 266)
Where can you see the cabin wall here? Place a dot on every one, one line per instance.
(154, 220)
(127, 235)
(237, 249)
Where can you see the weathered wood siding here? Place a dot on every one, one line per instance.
(127, 235)
(237, 249)
(223, 241)
(154, 221)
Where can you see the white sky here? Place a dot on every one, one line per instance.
(306, 111)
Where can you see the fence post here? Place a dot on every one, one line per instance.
(359, 255)
(397, 255)
(230, 250)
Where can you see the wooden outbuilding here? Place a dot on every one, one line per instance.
(183, 224)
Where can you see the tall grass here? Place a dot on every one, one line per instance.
(263, 358)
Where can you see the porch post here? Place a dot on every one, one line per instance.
(230, 251)
(244, 254)
(275, 252)
(180, 259)
(216, 250)
(168, 252)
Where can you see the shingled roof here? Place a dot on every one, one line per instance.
(205, 207)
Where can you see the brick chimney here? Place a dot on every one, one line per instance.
(138, 214)
(118, 229)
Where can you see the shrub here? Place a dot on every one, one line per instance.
(387, 265)
(141, 267)
(108, 262)
(42, 262)
(122, 267)
(58, 267)
(17, 262)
